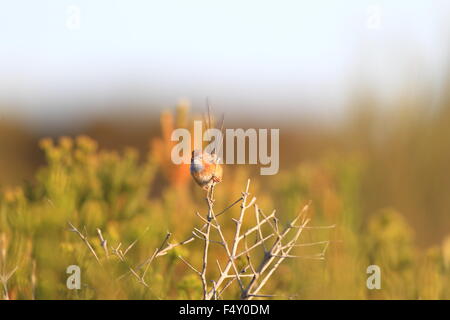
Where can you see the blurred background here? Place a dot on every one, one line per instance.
(360, 91)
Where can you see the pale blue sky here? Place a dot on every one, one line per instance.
(269, 56)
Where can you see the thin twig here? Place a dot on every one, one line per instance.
(103, 242)
(209, 217)
(85, 240)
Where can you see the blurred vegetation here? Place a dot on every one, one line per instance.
(383, 181)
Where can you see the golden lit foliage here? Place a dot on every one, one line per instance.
(134, 202)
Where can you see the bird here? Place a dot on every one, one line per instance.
(205, 168)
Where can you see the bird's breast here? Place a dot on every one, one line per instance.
(196, 167)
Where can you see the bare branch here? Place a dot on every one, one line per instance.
(190, 265)
(85, 239)
(260, 242)
(259, 227)
(103, 242)
(229, 207)
(255, 228)
(279, 249)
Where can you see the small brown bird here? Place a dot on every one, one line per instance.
(205, 169)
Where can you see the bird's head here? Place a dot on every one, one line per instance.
(196, 154)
